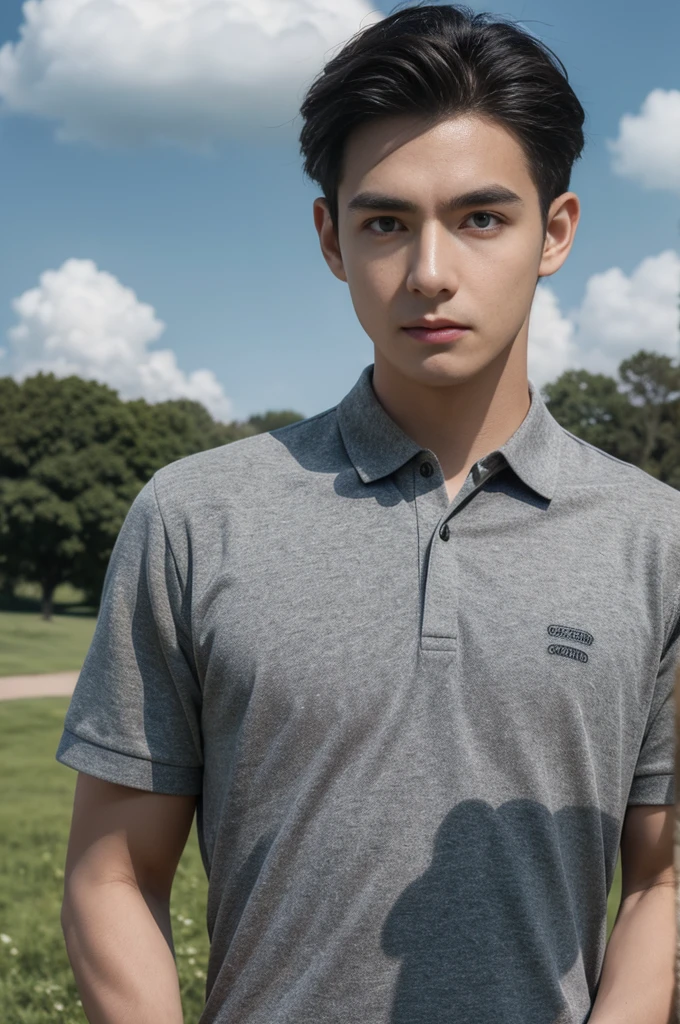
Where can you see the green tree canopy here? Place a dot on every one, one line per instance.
(591, 406)
(73, 456)
(636, 418)
(271, 421)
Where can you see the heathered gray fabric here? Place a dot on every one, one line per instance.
(411, 789)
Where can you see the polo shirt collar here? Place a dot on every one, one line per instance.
(374, 442)
(533, 451)
(378, 447)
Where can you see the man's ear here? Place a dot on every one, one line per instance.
(328, 239)
(563, 218)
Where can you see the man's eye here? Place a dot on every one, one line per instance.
(483, 222)
(484, 217)
(385, 224)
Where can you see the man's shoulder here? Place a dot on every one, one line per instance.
(260, 460)
(639, 514)
(632, 487)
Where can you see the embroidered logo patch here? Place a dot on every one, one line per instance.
(568, 652)
(579, 636)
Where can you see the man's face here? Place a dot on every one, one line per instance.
(476, 264)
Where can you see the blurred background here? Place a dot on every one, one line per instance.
(162, 292)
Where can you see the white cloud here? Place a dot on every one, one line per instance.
(81, 320)
(551, 338)
(184, 71)
(648, 145)
(619, 315)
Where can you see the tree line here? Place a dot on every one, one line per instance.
(73, 456)
(635, 416)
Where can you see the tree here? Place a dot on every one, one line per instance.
(652, 384)
(591, 406)
(636, 418)
(167, 431)
(73, 456)
(64, 478)
(272, 421)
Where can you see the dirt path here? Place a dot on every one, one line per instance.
(56, 684)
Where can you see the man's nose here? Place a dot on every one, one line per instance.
(433, 262)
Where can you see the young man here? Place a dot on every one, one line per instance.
(411, 660)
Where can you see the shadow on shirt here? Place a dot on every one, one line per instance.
(507, 904)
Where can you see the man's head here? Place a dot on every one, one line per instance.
(428, 106)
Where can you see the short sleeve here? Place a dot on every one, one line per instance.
(654, 777)
(134, 717)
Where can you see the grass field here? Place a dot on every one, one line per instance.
(36, 982)
(29, 645)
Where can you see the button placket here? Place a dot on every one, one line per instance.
(440, 605)
(439, 630)
(431, 507)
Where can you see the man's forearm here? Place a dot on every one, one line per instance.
(637, 985)
(118, 944)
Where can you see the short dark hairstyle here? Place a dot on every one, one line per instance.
(438, 62)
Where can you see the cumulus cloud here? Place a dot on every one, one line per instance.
(648, 145)
(619, 315)
(551, 338)
(183, 71)
(82, 320)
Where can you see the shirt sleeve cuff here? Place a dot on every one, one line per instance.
(126, 770)
(652, 789)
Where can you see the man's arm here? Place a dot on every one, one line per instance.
(637, 985)
(123, 852)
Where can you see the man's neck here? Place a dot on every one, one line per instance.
(460, 423)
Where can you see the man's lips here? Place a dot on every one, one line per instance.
(435, 335)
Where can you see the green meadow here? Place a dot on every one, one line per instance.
(36, 982)
(29, 645)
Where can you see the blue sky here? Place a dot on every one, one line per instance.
(221, 244)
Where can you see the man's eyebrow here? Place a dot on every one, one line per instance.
(488, 195)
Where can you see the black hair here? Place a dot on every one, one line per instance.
(440, 61)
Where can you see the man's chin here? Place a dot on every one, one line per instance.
(439, 369)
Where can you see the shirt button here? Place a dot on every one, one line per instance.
(426, 469)
(445, 533)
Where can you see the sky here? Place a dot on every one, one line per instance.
(157, 229)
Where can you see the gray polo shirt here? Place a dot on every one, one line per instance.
(413, 725)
